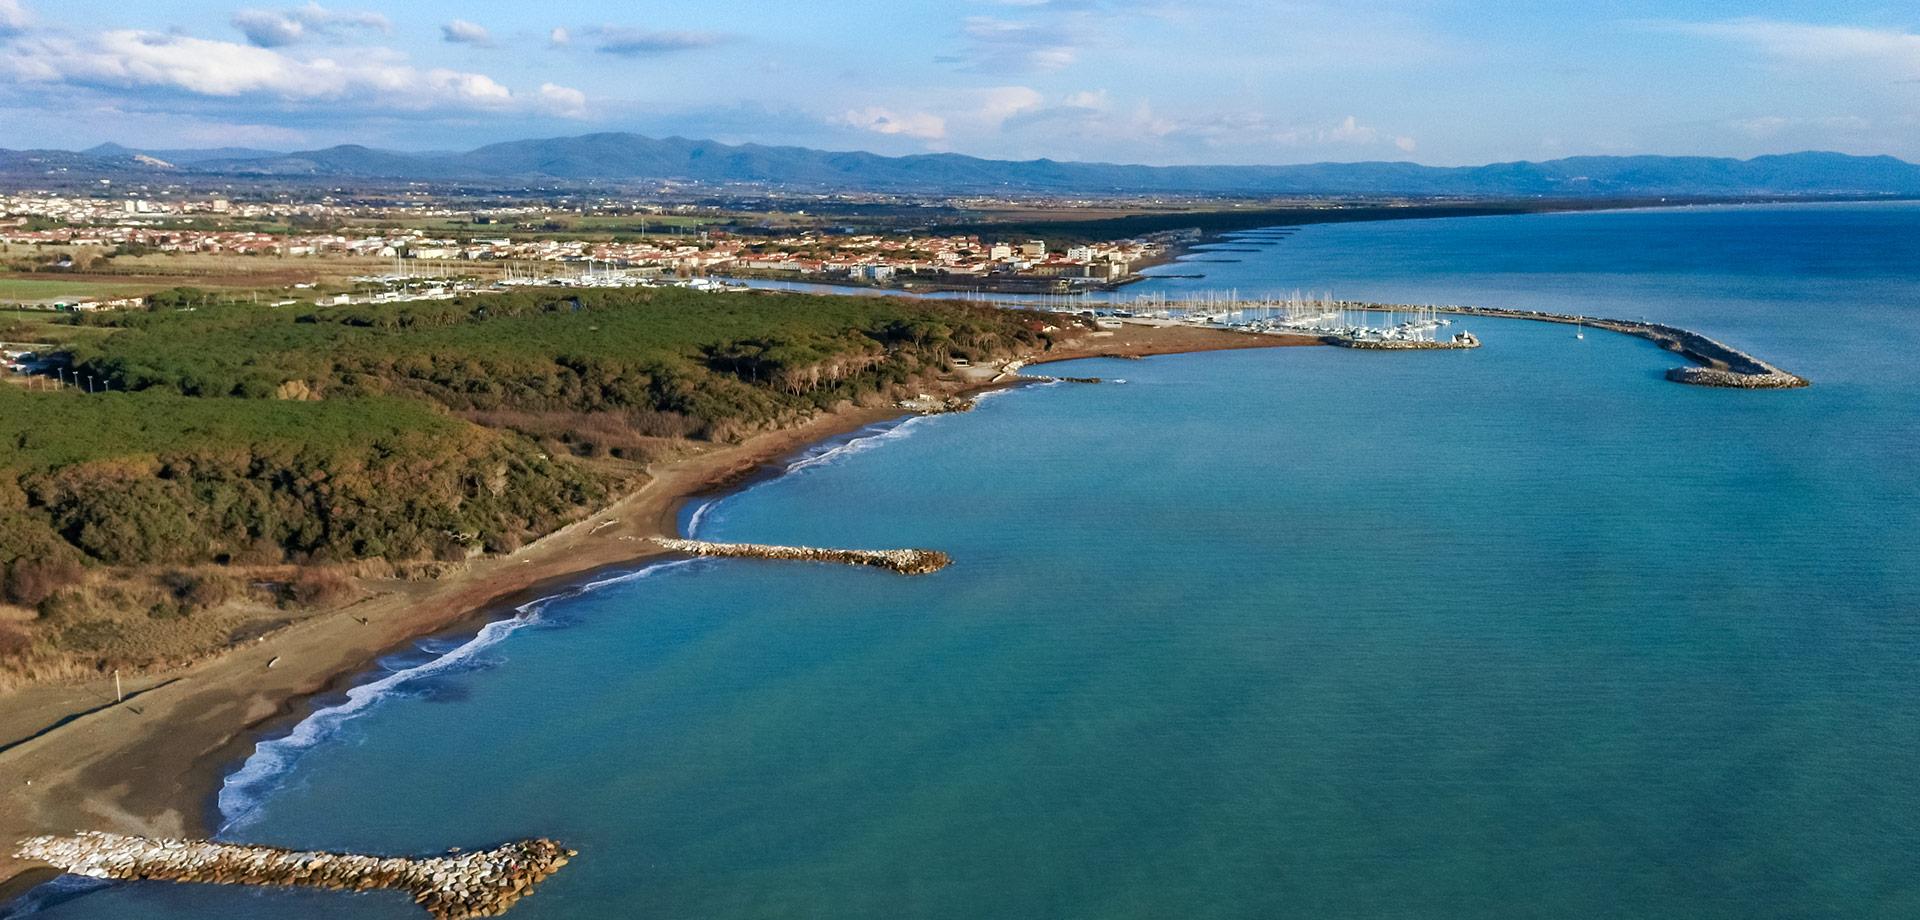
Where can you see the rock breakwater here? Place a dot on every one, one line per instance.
(904, 561)
(1719, 364)
(1458, 342)
(484, 883)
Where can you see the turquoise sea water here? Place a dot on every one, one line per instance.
(1520, 632)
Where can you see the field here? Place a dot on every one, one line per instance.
(15, 289)
(43, 327)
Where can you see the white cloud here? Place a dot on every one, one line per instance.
(1003, 102)
(1881, 53)
(1405, 144)
(996, 45)
(559, 36)
(1348, 131)
(1764, 127)
(564, 101)
(1087, 99)
(279, 28)
(630, 42)
(139, 60)
(13, 17)
(919, 125)
(462, 32)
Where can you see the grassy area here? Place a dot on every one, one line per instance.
(38, 289)
(44, 326)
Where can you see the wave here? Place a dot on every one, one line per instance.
(859, 444)
(52, 893)
(243, 790)
(699, 515)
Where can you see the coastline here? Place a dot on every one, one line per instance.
(154, 764)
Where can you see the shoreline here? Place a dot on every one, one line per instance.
(154, 765)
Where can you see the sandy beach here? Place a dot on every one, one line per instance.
(71, 760)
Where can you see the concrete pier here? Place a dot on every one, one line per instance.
(904, 561)
(484, 883)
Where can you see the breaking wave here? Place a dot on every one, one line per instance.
(243, 791)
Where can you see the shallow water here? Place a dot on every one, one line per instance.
(1520, 632)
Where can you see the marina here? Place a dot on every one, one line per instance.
(1386, 327)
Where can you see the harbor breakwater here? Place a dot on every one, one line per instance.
(1464, 340)
(483, 883)
(1718, 364)
(904, 561)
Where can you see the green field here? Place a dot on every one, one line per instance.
(44, 326)
(32, 290)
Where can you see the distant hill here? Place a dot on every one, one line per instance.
(182, 157)
(618, 157)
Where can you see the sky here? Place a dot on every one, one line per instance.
(1447, 82)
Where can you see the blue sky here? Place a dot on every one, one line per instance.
(1227, 81)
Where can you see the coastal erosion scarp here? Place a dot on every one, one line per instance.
(904, 561)
(483, 883)
(1719, 364)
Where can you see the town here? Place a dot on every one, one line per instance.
(54, 237)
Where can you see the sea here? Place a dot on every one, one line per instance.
(1520, 632)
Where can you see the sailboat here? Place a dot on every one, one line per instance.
(1579, 329)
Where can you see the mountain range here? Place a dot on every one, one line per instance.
(620, 157)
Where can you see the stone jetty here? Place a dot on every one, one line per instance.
(1462, 341)
(904, 561)
(1719, 364)
(483, 883)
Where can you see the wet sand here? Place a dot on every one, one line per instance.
(152, 765)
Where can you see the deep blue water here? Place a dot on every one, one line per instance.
(1520, 632)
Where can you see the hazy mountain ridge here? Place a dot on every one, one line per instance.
(632, 157)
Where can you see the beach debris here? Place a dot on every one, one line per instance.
(273, 661)
(483, 883)
(904, 561)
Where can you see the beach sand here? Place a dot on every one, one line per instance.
(71, 760)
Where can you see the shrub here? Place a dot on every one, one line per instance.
(14, 642)
(32, 581)
(320, 588)
(199, 590)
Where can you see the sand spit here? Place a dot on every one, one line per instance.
(480, 884)
(904, 561)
